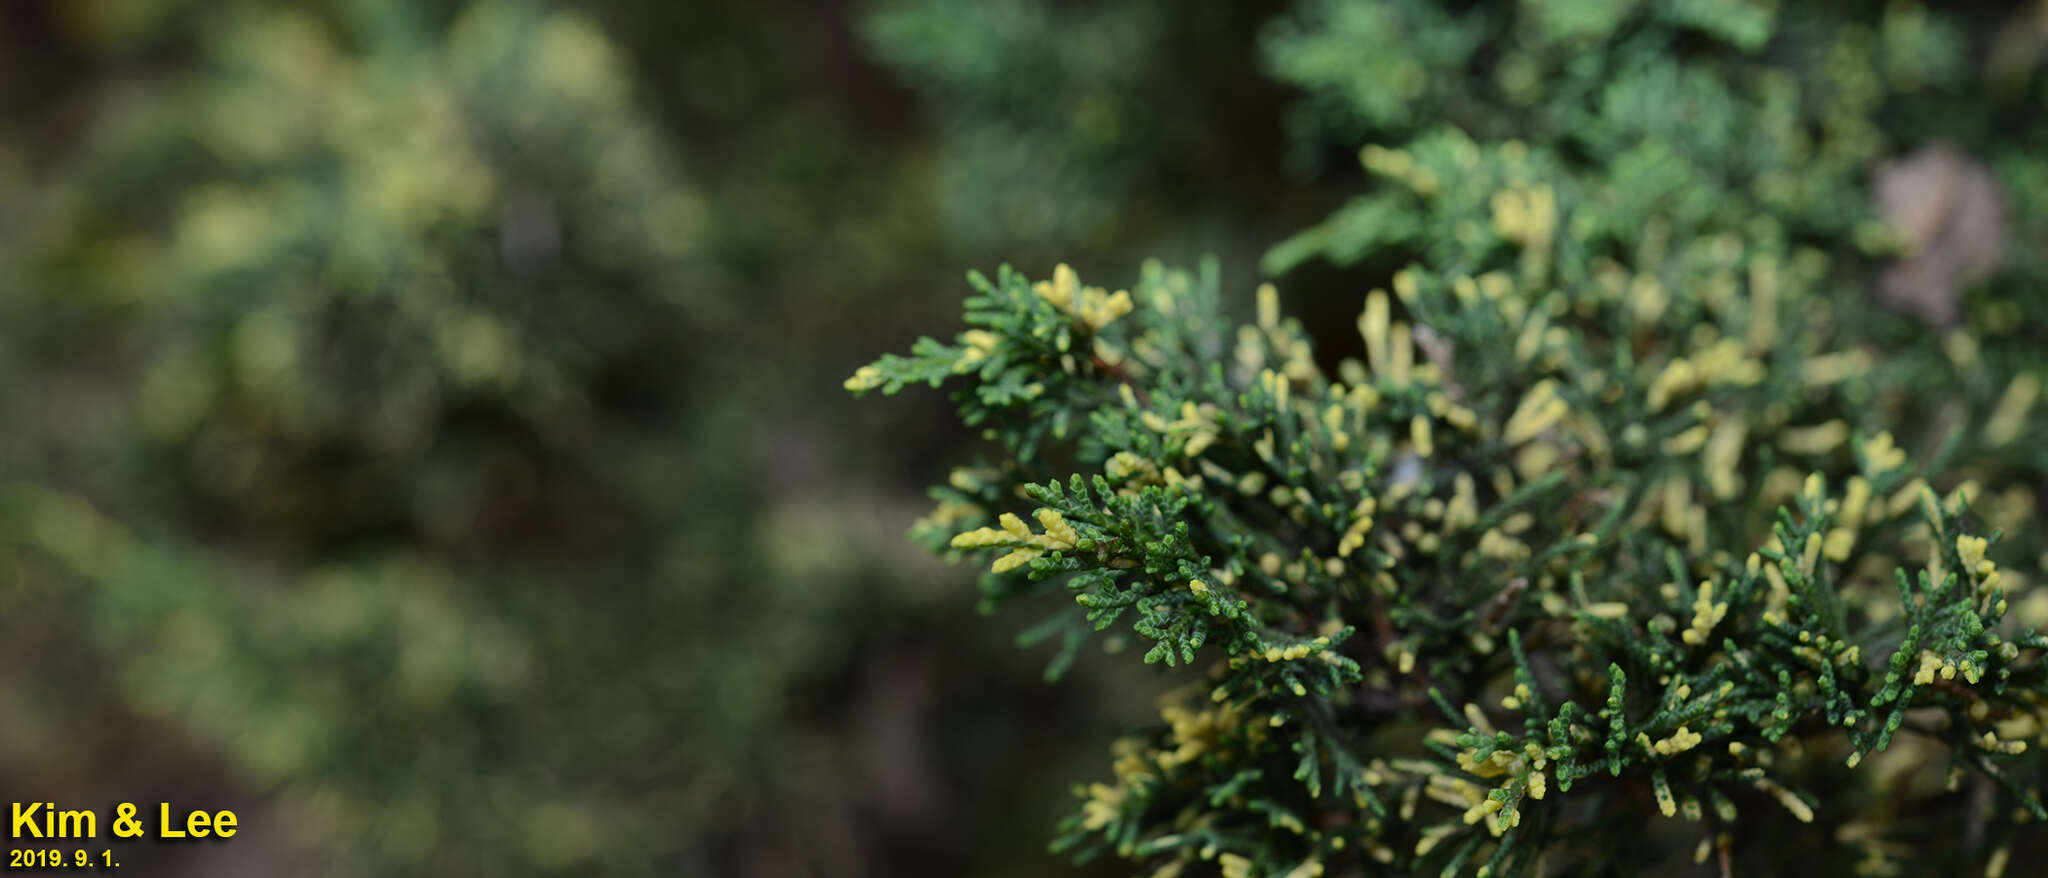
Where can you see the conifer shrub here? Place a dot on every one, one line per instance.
(1629, 531)
(357, 360)
(360, 281)
(1111, 124)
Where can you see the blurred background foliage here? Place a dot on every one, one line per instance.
(425, 432)
(423, 421)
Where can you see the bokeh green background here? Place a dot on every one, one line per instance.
(421, 425)
(423, 429)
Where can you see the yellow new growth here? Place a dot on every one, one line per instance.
(1531, 340)
(1882, 454)
(864, 378)
(1404, 285)
(1980, 569)
(1361, 524)
(1099, 310)
(1681, 740)
(1661, 788)
(1607, 610)
(1687, 442)
(1127, 465)
(1094, 305)
(1723, 455)
(1722, 362)
(1401, 166)
(1456, 415)
(2011, 414)
(1819, 439)
(1678, 377)
(1401, 354)
(1499, 546)
(1015, 560)
(1540, 408)
(1855, 503)
(1431, 837)
(1060, 290)
(1198, 422)
(1296, 652)
(1647, 298)
(1991, 742)
(1132, 763)
(980, 344)
(1705, 615)
(1333, 420)
(1277, 386)
(1463, 510)
(1103, 805)
(1833, 368)
(1515, 700)
(1058, 536)
(1527, 215)
(1932, 665)
(1195, 732)
(1419, 432)
(1309, 868)
(1373, 326)
(1058, 533)
(1785, 797)
(1526, 766)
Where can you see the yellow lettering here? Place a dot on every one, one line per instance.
(75, 824)
(52, 823)
(27, 820)
(197, 824)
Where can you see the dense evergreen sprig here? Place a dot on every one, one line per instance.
(1618, 547)
(1579, 547)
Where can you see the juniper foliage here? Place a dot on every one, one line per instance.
(355, 360)
(1609, 551)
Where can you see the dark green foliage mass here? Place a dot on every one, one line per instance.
(1620, 546)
